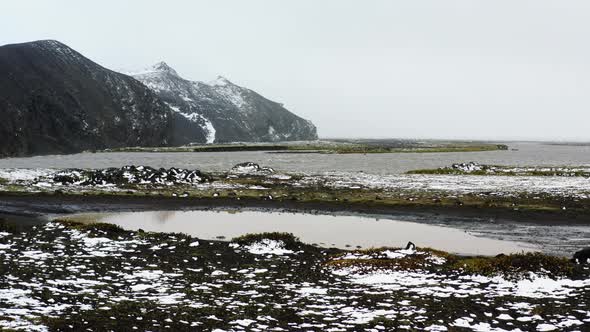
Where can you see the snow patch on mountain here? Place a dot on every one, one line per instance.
(199, 119)
(210, 131)
(233, 94)
(272, 133)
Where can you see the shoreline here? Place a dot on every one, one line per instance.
(43, 204)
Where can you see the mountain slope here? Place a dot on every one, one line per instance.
(54, 100)
(226, 111)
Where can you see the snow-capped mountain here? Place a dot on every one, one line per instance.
(225, 111)
(54, 100)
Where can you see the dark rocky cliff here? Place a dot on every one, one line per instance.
(54, 100)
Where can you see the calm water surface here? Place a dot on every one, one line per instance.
(325, 230)
(527, 154)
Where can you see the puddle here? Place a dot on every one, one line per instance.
(345, 232)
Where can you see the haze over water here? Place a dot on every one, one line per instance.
(522, 154)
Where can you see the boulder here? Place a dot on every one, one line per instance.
(582, 256)
(250, 168)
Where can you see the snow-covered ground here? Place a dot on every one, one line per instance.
(148, 282)
(501, 185)
(574, 187)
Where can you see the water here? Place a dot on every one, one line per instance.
(351, 232)
(527, 154)
(325, 230)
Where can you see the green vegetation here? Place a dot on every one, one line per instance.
(418, 261)
(419, 149)
(106, 229)
(508, 171)
(516, 264)
(445, 171)
(324, 147)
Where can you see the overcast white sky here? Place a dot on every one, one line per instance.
(420, 69)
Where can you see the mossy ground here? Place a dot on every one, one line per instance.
(518, 264)
(513, 266)
(325, 147)
(507, 171)
(362, 193)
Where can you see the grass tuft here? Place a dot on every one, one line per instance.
(97, 227)
(517, 264)
(418, 261)
(514, 266)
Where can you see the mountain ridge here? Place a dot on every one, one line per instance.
(54, 100)
(234, 112)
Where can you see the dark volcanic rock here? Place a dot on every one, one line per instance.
(251, 168)
(582, 256)
(54, 100)
(226, 111)
(130, 175)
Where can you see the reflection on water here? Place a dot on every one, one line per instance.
(163, 216)
(326, 230)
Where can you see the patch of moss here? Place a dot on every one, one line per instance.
(450, 258)
(516, 264)
(323, 147)
(110, 230)
(510, 266)
(498, 170)
(407, 263)
(420, 260)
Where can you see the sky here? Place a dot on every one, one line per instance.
(468, 69)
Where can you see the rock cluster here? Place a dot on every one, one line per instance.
(251, 168)
(130, 175)
(468, 167)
